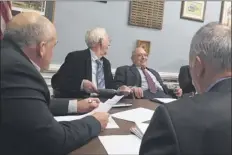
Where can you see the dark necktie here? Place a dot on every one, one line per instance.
(150, 82)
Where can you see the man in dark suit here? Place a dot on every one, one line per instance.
(199, 125)
(185, 80)
(144, 82)
(27, 124)
(83, 72)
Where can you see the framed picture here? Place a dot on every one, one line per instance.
(225, 17)
(45, 8)
(193, 10)
(145, 45)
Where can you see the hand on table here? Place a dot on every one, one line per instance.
(138, 91)
(88, 86)
(87, 105)
(125, 90)
(178, 92)
(103, 119)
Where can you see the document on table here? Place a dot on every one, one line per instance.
(121, 144)
(165, 100)
(111, 124)
(135, 115)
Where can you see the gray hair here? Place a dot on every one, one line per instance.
(30, 34)
(212, 43)
(94, 36)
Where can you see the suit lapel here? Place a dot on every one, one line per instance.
(88, 63)
(159, 80)
(135, 71)
(106, 71)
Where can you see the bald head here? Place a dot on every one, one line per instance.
(30, 28)
(35, 35)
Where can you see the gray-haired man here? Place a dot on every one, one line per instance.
(201, 124)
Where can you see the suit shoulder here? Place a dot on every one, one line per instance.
(199, 102)
(77, 53)
(123, 67)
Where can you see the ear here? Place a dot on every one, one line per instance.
(200, 66)
(41, 49)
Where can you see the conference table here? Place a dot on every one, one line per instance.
(95, 147)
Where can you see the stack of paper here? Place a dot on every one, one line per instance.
(135, 115)
(121, 144)
(139, 129)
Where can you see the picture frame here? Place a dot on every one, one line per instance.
(225, 15)
(45, 8)
(193, 10)
(145, 45)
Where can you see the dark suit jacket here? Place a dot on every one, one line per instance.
(27, 125)
(185, 80)
(199, 125)
(130, 76)
(77, 66)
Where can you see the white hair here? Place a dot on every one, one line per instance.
(212, 43)
(29, 34)
(94, 36)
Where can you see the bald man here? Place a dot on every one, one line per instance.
(144, 82)
(27, 125)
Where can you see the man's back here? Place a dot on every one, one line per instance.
(199, 125)
(27, 125)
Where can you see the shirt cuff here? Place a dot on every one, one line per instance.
(82, 85)
(72, 106)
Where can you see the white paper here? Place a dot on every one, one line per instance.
(135, 115)
(121, 144)
(114, 100)
(102, 107)
(111, 124)
(166, 100)
(142, 127)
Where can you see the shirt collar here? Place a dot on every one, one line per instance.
(36, 66)
(93, 56)
(213, 84)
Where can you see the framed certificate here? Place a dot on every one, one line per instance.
(193, 10)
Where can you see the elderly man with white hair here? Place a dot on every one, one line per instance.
(83, 72)
(199, 125)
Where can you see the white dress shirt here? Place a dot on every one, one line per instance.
(72, 106)
(144, 84)
(94, 67)
(94, 70)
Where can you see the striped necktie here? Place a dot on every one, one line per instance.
(100, 75)
(151, 84)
